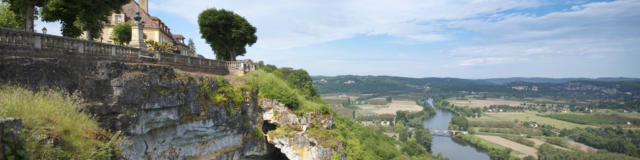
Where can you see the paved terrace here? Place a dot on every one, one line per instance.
(17, 43)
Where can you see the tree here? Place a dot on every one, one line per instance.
(300, 79)
(269, 68)
(226, 32)
(10, 19)
(423, 137)
(461, 122)
(25, 9)
(121, 33)
(81, 15)
(192, 46)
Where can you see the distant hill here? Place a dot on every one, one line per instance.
(397, 85)
(554, 87)
(555, 80)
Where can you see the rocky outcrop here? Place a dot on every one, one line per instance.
(296, 144)
(169, 115)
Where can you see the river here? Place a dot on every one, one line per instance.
(452, 148)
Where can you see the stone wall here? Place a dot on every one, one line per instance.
(15, 43)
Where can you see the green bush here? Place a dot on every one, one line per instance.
(121, 34)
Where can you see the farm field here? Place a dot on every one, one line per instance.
(528, 116)
(479, 103)
(539, 142)
(510, 144)
(580, 146)
(396, 105)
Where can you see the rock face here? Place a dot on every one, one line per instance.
(166, 115)
(298, 144)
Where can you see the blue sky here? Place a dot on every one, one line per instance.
(431, 38)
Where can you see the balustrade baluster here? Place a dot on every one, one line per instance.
(3, 36)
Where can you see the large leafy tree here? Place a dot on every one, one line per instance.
(25, 9)
(121, 33)
(81, 15)
(226, 32)
(10, 19)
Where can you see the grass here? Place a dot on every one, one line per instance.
(271, 86)
(528, 116)
(51, 115)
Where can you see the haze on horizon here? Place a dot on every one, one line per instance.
(443, 38)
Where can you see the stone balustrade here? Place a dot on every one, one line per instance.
(50, 45)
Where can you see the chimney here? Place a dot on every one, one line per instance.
(144, 4)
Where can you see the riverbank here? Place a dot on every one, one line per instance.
(451, 147)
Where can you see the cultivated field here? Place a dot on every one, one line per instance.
(396, 105)
(510, 144)
(527, 116)
(484, 102)
(580, 146)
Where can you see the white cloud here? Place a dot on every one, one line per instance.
(489, 61)
(290, 23)
(594, 28)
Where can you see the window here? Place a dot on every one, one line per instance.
(118, 19)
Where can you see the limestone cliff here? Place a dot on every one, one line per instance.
(169, 114)
(295, 143)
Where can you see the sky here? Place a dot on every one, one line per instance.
(429, 38)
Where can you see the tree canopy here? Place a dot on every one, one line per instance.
(226, 32)
(81, 15)
(121, 33)
(299, 78)
(25, 10)
(10, 19)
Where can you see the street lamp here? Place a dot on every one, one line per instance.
(44, 30)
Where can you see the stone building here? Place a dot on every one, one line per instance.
(154, 28)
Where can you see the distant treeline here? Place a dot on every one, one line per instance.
(626, 141)
(610, 88)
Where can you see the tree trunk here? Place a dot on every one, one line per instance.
(28, 25)
(233, 57)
